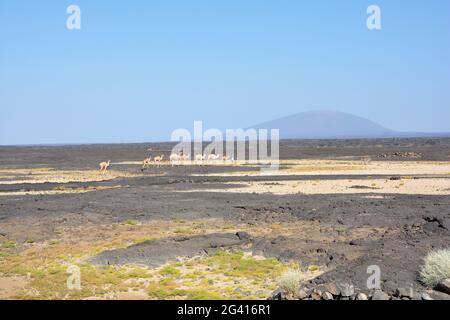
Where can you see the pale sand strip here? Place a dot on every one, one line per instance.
(339, 186)
(324, 167)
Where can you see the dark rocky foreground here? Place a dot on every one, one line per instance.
(155, 253)
(399, 229)
(343, 290)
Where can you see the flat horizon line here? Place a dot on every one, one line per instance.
(399, 135)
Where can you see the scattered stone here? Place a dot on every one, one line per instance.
(278, 240)
(389, 287)
(290, 297)
(327, 296)
(400, 155)
(242, 235)
(278, 294)
(444, 286)
(405, 293)
(356, 243)
(316, 294)
(380, 295)
(436, 295)
(361, 296)
(436, 224)
(346, 289)
(425, 296)
(343, 290)
(302, 294)
(332, 288)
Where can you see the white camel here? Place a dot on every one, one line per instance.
(174, 158)
(199, 158)
(213, 157)
(185, 157)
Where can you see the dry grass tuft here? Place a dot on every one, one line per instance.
(290, 281)
(436, 267)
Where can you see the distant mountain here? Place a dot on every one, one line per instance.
(326, 124)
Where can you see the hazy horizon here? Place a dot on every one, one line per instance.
(136, 71)
(392, 135)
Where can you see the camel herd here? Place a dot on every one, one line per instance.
(181, 158)
(177, 159)
(199, 159)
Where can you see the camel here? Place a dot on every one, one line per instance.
(213, 157)
(174, 158)
(366, 160)
(146, 163)
(185, 157)
(199, 158)
(158, 159)
(104, 165)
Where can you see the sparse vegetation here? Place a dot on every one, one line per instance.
(186, 231)
(313, 268)
(9, 244)
(436, 267)
(131, 222)
(169, 271)
(290, 281)
(223, 275)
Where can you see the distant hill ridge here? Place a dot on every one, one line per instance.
(333, 124)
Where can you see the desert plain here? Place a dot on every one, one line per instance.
(222, 229)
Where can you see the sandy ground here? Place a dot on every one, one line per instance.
(430, 186)
(50, 175)
(343, 167)
(12, 286)
(163, 231)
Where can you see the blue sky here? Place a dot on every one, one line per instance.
(139, 69)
